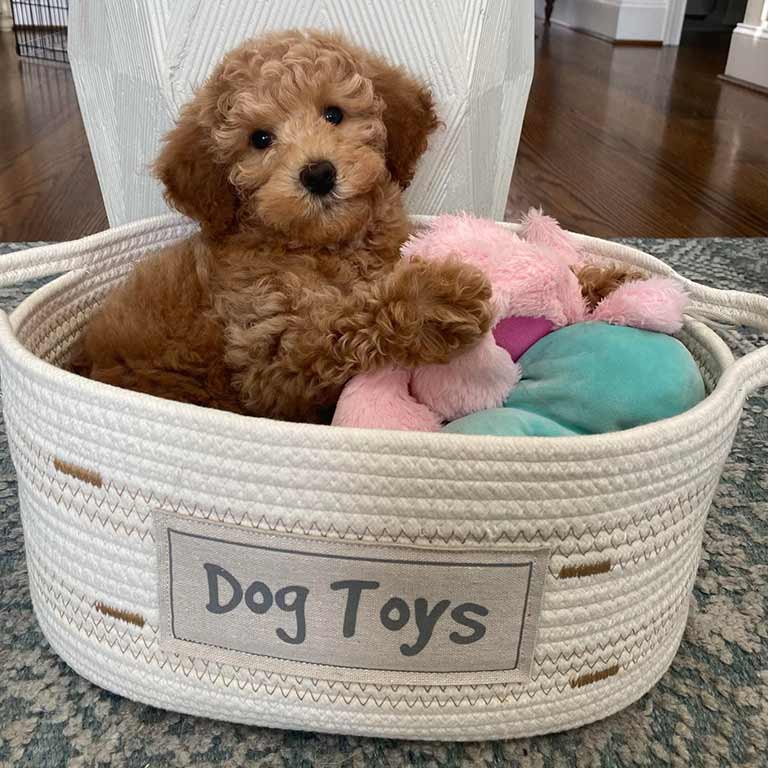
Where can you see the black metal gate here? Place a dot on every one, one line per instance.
(40, 27)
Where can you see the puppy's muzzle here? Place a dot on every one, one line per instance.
(319, 178)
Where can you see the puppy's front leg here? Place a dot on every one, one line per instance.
(424, 312)
(420, 313)
(292, 360)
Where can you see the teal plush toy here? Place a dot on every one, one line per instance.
(592, 378)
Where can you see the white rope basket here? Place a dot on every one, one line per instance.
(606, 527)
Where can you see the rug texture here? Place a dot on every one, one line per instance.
(710, 709)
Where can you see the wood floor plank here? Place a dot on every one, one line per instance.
(647, 142)
(48, 185)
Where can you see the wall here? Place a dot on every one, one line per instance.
(6, 20)
(748, 55)
(618, 20)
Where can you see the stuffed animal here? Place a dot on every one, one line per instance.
(541, 281)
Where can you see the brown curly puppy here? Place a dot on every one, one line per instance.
(293, 157)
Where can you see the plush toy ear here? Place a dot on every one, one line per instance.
(195, 184)
(409, 116)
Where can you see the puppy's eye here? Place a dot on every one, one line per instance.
(261, 139)
(333, 115)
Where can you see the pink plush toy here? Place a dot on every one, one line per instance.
(535, 291)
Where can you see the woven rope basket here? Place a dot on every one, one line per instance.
(611, 526)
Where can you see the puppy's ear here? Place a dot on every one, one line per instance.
(195, 184)
(409, 117)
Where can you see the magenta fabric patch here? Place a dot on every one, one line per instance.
(518, 334)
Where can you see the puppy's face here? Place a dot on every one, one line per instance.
(304, 140)
(297, 133)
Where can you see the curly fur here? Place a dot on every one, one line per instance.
(284, 296)
(598, 281)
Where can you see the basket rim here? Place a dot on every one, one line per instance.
(727, 393)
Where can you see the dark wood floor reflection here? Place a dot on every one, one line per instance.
(642, 141)
(48, 186)
(616, 142)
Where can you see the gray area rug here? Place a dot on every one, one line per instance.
(710, 709)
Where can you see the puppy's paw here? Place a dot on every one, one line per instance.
(459, 306)
(444, 308)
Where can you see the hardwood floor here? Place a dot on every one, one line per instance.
(622, 141)
(48, 185)
(617, 141)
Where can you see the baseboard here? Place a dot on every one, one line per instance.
(638, 43)
(748, 56)
(582, 31)
(610, 40)
(743, 84)
(623, 21)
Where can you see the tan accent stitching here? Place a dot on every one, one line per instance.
(119, 613)
(86, 475)
(27, 452)
(594, 677)
(585, 569)
(692, 497)
(278, 525)
(60, 602)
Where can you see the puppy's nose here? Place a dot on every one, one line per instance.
(319, 178)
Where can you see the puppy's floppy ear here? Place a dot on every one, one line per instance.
(195, 183)
(409, 116)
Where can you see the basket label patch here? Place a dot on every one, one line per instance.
(354, 611)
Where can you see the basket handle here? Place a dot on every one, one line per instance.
(709, 305)
(57, 258)
(40, 261)
(712, 306)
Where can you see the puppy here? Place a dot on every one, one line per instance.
(293, 157)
